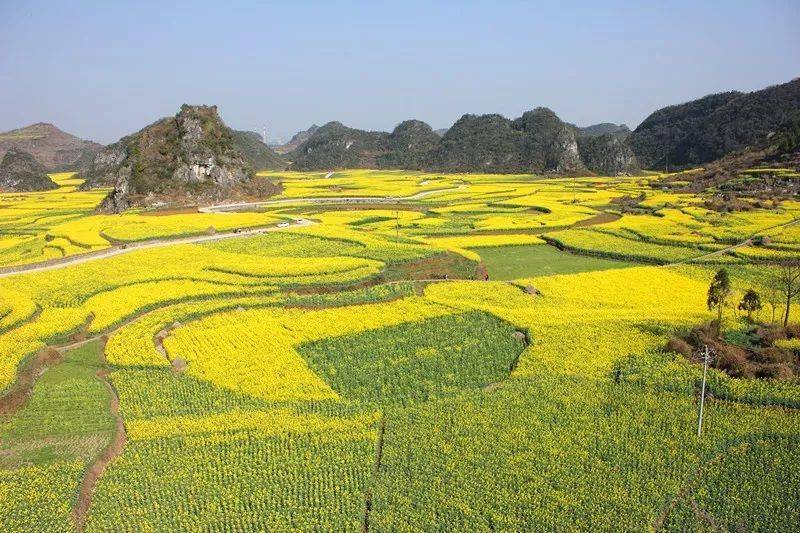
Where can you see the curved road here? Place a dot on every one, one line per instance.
(126, 248)
(222, 208)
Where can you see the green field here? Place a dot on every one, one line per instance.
(515, 262)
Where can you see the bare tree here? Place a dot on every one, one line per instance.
(773, 296)
(787, 279)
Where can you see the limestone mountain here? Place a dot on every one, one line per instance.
(608, 154)
(483, 143)
(708, 128)
(259, 155)
(296, 140)
(411, 145)
(548, 144)
(20, 172)
(780, 150)
(53, 148)
(335, 146)
(596, 130)
(192, 156)
(536, 142)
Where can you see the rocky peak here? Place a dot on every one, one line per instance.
(191, 154)
(20, 171)
(207, 148)
(549, 145)
(335, 146)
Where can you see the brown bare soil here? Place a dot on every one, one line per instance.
(30, 371)
(81, 509)
(602, 218)
(441, 266)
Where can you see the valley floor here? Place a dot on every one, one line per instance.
(434, 363)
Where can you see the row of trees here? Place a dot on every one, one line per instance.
(782, 286)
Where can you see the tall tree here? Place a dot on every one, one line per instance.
(718, 293)
(787, 280)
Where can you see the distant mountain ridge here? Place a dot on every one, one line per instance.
(538, 141)
(603, 128)
(296, 140)
(680, 136)
(259, 155)
(56, 150)
(674, 137)
(713, 126)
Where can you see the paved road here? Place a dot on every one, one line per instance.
(143, 245)
(158, 243)
(329, 200)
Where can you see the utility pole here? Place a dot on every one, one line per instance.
(575, 189)
(396, 226)
(706, 359)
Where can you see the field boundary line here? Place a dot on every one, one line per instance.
(692, 483)
(83, 502)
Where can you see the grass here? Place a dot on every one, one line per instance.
(46, 447)
(515, 262)
(417, 361)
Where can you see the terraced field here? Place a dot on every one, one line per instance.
(428, 352)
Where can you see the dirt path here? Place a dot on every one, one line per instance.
(376, 466)
(115, 448)
(692, 484)
(21, 389)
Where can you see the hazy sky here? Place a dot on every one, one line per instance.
(104, 69)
